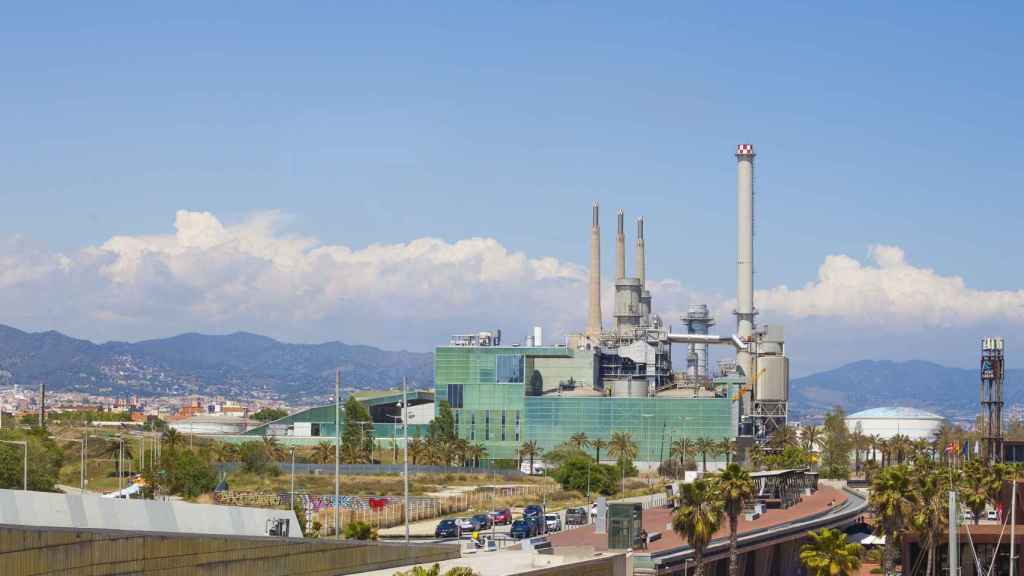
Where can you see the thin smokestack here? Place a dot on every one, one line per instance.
(620, 249)
(641, 256)
(744, 250)
(594, 323)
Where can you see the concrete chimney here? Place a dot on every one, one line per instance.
(594, 317)
(620, 250)
(745, 251)
(641, 256)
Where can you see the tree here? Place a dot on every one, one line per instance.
(727, 447)
(475, 453)
(624, 449)
(581, 473)
(597, 444)
(357, 434)
(323, 452)
(829, 554)
(892, 502)
(184, 473)
(682, 450)
(442, 427)
(860, 443)
(45, 459)
(810, 437)
(931, 514)
(224, 452)
(735, 487)
(978, 487)
(784, 437)
(269, 414)
(704, 446)
(275, 452)
(579, 440)
(172, 438)
(255, 459)
(417, 449)
(835, 445)
(699, 517)
(529, 450)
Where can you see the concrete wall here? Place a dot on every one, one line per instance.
(72, 552)
(47, 509)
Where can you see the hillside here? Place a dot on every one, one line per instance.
(237, 365)
(951, 392)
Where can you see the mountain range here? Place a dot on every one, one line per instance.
(239, 365)
(243, 365)
(949, 392)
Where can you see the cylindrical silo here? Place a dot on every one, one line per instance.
(627, 305)
(773, 382)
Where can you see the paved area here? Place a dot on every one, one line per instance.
(659, 519)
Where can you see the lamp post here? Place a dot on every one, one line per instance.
(405, 455)
(293, 478)
(337, 454)
(24, 472)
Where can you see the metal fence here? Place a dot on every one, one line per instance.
(381, 469)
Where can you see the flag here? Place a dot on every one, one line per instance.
(951, 448)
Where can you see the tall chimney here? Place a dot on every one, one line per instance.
(641, 256)
(620, 250)
(594, 319)
(745, 251)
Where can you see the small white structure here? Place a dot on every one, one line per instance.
(890, 421)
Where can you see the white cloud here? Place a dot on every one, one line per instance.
(889, 290)
(256, 276)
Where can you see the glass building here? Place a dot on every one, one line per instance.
(503, 396)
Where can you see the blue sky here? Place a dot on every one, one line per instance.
(366, 123)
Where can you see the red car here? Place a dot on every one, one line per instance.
(501, 516)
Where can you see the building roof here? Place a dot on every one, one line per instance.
(894, 412)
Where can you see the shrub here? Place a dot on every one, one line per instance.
(359, 531)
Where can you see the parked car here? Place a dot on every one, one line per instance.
(536, 524)
(552, 522)
(521, 528)
(467, 524)
(533, 510)
(447, 529)
(575, 516)
(483, 521)
(501, 516)
(992, 515)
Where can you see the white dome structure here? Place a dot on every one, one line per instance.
(890, 421)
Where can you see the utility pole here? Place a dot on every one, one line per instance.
(954, 536)
(405, 452)
(337, 454)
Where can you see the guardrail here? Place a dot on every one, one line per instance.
(381, 469)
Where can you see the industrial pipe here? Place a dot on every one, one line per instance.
(734, 340)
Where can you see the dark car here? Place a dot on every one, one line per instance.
(535, 512)
(522, 528)
(447, 529)
(501, 516)
(575, 516)
(537, 526)
(483, 521)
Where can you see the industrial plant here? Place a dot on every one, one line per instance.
(619, 376)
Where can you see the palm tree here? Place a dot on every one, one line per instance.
(681, 450)
(417, 449)
(699, 517)
(323, 453)
(829, 554)
(703, 446)
(931, 513)
(978, 486)
(225, 452)
(810, 437)
(460, 451)
(172, 438)
(875, 441)
(475, 453)
(859, 442)
(273, 449)
(579, 440)
(892, 502)
(529, 450)
(734, 487)
(728, 448)
(624, 449)
(597, 444)
(784, 438)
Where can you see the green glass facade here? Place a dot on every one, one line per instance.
(496, 395)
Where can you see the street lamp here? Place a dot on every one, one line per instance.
(24, 471)
(293, 478)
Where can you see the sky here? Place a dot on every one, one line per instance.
(391, 173)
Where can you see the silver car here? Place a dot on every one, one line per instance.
(553, 522)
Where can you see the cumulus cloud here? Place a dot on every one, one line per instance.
(890, 290)
(257, 276)
(208, 275)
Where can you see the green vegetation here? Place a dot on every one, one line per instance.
(829, 554)
(435, 570)
(44, 459)
(269, 414)
(734, 487)
(582, 474)
(357, 433)
(359, 531)
(699, 516)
